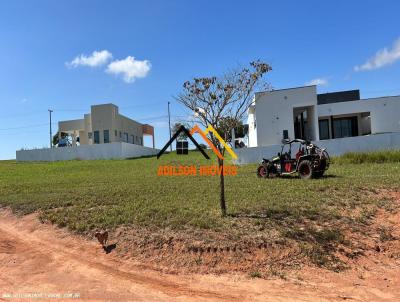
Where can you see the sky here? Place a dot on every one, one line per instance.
(69, 55)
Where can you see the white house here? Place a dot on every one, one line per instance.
(339, 121)
(104, 124)
(103, 133)
(302, 113)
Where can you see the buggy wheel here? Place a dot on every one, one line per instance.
(272, 172)
(262, 172)
(305, 169)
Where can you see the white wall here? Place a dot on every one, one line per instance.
(86, 152)
(255, 154)
(251, 121)
(335, 147)
(274, 113)
(385, 112)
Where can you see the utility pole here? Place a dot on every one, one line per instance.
(51, 134)
(169, 126)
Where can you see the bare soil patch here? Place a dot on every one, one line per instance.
(40, 258)
(334, 245)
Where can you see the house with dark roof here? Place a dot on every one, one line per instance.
(303, 113)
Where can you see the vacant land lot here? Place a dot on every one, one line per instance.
(306, 219)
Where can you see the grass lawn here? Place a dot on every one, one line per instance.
(84, 195)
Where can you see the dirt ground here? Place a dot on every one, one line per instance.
(41, 262)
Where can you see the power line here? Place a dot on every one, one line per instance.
(161, 117)
(150, 118)
(27, 126)
(22, 114)
(70, 110)
(42, 131)
(47, 124)
(142, 105)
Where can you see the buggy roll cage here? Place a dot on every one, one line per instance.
(309, 147)
(296, 140)
(290, 142)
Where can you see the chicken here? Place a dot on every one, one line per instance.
(102, 237)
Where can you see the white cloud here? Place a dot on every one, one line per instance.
(382, 58)
(129, 68)
(318, 81)
(97, 58)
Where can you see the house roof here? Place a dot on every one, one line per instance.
(290, 88)
(338, 97)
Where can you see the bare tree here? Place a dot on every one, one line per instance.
(223, 101)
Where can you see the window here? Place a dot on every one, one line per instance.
(323, 129)
(345, 127)
(89, 135)
(300, 125)
(126, 137)
(120, 134)
(106, 136)
(96, 137)
(182, 147)
(116, 133)
(132, 139)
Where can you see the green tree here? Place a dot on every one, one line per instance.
(204, 146)
(225, 126)
(55, 139)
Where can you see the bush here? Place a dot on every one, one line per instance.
(386, 156)
(255, 274)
